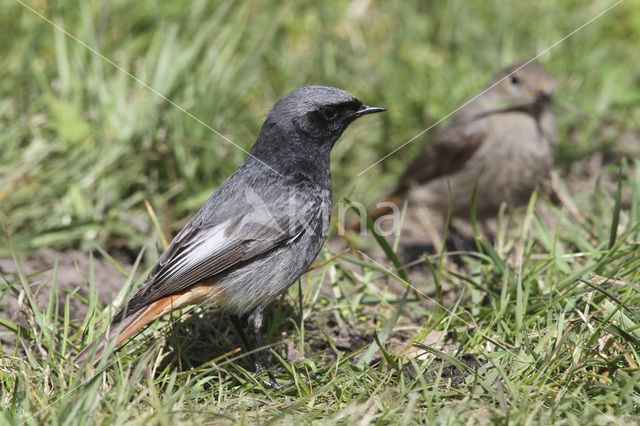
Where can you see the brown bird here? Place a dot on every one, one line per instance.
(503, 141)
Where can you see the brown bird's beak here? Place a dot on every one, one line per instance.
(366, 109)
(543, 96)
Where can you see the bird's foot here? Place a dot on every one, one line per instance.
(261, 368)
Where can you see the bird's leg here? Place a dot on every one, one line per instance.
(256, 324)
(239, 326)
(300, 300)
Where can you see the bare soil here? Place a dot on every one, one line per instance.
(70, 275)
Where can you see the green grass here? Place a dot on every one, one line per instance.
(549, 311)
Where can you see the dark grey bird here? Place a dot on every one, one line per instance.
(260, 230)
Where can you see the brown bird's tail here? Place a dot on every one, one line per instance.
(134, 321)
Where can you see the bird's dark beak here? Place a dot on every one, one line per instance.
(543, 96)
(366, 109)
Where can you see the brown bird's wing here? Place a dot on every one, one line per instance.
(449, 150)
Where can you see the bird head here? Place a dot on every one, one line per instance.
(317, 113)
(523, 86)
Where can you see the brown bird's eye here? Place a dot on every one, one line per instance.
(329, 113)
(514, 79)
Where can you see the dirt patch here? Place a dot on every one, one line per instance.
(344, 342)
(443, 371)
(71, 275)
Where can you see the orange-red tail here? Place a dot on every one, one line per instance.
(135, 321)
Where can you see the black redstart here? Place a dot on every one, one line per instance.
(503, 141)
(260, 230)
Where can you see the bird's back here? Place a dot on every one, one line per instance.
(512, 155)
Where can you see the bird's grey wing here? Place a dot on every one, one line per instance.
(449, 150)
(200, 252)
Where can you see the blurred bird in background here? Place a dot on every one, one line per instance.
(501, 144)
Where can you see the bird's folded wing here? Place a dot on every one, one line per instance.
(448, 152)
(200, 252)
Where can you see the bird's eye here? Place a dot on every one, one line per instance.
(514, 79)
(329, 113)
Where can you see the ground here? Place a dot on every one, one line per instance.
(538, 325)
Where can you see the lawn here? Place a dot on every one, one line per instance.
(119, 119)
